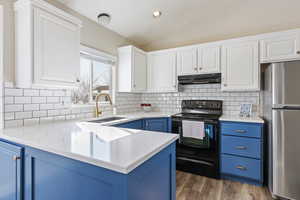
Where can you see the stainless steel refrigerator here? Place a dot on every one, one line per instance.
(281, 105)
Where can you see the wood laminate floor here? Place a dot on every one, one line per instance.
(193, 187)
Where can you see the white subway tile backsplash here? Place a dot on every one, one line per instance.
(31, 92)
(8, 100)
(31, 107)
(13, 108)
(13, 92)
(40, 113)
(46, 106)
(22, 100)
(9, 116)
(46, 93)
(39, 99)
(52, 99)
(23, 115)
(53, 112)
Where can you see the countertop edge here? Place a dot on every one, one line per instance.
(97, 163)
(258, 120)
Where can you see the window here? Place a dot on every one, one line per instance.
(96, 76)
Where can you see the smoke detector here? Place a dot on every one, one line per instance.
(104, 18)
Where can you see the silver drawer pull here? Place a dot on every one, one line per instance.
(241, 147)
(240, 131)
(241, 167)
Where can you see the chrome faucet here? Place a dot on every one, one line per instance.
(99, 112)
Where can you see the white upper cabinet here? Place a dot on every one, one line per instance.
(240, 66)
(281, 46)
(162, 72)
(132, 69)
(47, 45)
(209, 60)
(187, 61)
(199, 60)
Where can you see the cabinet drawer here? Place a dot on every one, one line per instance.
(241, 129)
(249, 147)
(243, 167)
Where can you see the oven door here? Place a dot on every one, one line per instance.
(208, 142)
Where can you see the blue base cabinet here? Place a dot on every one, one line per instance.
(52, 177)
(162, 124)
(11, 173)
(157, 124)
(242, 155)
(137, 124)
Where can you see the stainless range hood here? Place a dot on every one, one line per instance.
(200, 79)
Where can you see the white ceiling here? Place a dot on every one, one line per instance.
(190, 21)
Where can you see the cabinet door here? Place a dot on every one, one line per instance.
(159, 124)
(162, 72)
(139, 71)
(280, 47)
(56, 50)
(10, 172)
(138, 124)
(209, 59)
(240, 66)
(187, 61)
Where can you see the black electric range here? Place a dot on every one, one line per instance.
(195, 155)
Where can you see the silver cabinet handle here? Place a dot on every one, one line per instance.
(225, 85)
(200, 68)
(16, 158)
(240, 131)
(298, 52)
(77, 80)
(196, 68)
(134, 85)
(241, 147)
(240, 167)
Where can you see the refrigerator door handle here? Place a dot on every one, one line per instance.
(287, 107)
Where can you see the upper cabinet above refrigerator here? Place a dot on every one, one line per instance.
(240, 66)
(280, 46)
(47, 45)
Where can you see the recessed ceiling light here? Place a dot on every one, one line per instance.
(156, 14)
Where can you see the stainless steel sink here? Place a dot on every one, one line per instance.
(109, 119)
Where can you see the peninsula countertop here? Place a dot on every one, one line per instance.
(117, 149)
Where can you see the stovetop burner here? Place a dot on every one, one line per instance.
(211, 109)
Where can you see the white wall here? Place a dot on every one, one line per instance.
(92, 35)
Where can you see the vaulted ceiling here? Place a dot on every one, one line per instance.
(190, 21)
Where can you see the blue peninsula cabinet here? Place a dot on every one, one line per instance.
(161, 124)
(11, 171)
(48, 176)
(242, 152)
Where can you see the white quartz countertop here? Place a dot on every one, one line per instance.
(241, 119)
(120, 150)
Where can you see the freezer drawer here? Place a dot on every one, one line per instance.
(286, 153)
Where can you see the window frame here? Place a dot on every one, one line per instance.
(99, 56)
